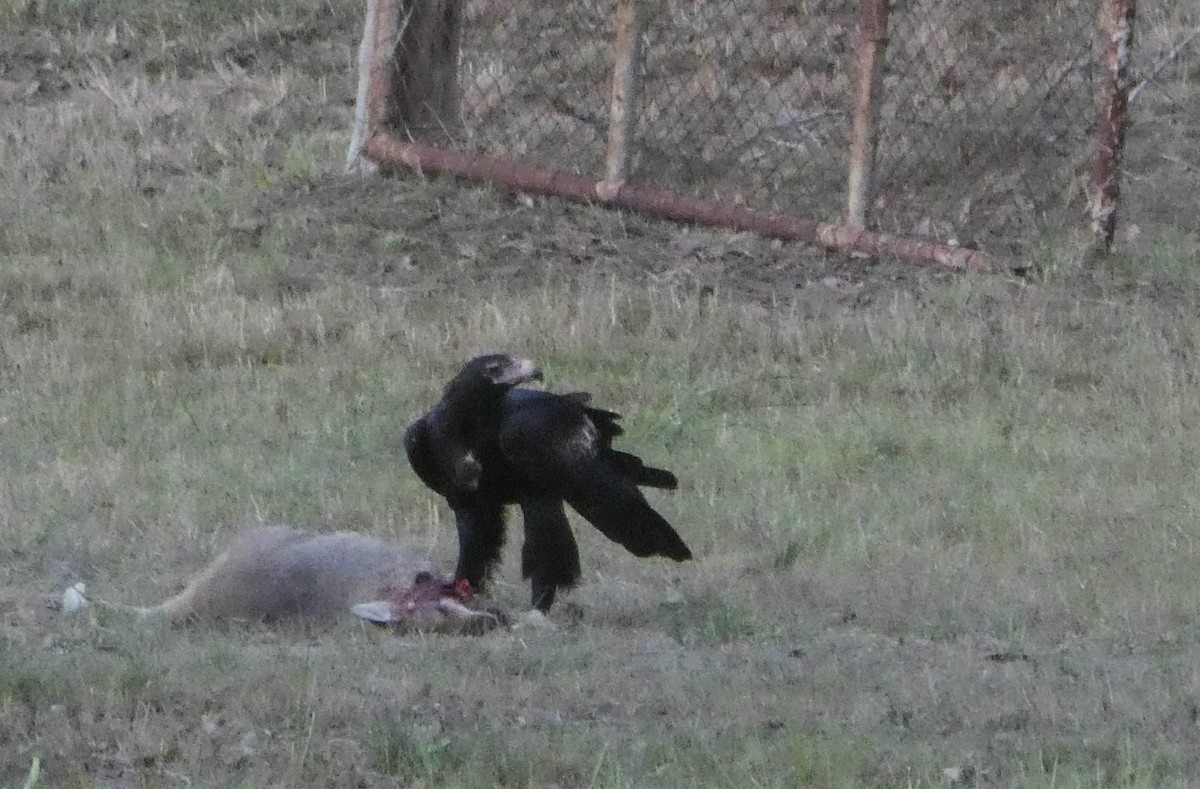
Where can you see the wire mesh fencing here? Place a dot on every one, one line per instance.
(741, 101)
(981, 123)
(1164, 149)
(988, 116)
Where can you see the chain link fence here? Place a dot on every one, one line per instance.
(741, 101)
(1163, 162)
(987, 122)
(985, 116)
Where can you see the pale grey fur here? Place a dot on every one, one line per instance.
(273, 573)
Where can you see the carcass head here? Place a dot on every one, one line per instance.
(431, 604)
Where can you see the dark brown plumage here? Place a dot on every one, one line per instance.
(489, 443)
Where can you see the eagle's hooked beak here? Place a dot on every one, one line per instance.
(521, 371)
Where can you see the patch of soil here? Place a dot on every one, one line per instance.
(424, 235)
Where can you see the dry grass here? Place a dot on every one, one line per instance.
(941, 523)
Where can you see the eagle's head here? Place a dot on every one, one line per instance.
(499, 369)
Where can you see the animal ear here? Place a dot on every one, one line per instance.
(381, 612)
(474, 620)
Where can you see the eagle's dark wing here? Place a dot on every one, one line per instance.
(554, 443)
(607, 424)
(447, 467)
(647, 476)
(419, 448)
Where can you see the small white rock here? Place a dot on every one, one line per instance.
(74, 598)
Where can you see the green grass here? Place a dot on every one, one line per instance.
(874, 490)
(949, 524)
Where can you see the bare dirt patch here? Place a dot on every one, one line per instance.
(419, 234)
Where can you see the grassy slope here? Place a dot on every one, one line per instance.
(204, 323)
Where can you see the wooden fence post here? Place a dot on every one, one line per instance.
(628, 62)
(1117, 27)
(872, 45)
(374, 80)
(424, 100)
